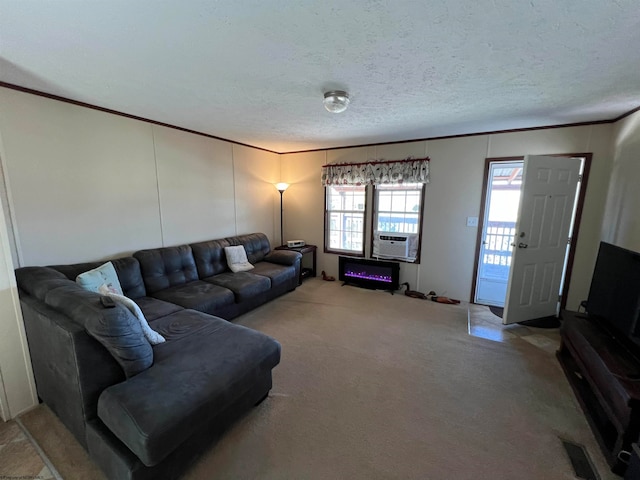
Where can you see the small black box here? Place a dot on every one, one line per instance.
(633, 471)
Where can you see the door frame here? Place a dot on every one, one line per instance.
(576, 225)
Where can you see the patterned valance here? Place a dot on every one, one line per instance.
(374, 172)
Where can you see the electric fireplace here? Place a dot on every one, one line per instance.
(367, 273)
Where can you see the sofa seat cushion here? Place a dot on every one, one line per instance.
(153, 308)
(198, 295)
(188, 322)
(194, 378)
(244, 285)
(278, 274)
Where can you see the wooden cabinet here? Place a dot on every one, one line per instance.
(605, 377)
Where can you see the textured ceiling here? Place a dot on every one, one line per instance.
(254, 71)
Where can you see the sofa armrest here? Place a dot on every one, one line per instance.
(283, 257)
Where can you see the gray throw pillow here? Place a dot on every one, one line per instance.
(120, 333)
(150, 334)
(115, 328)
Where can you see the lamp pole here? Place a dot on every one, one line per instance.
(281, 215)
(281, 187)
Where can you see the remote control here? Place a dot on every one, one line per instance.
(107, 302)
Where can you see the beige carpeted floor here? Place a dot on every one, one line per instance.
(373, 385)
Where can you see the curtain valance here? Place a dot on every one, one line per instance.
(373, 172)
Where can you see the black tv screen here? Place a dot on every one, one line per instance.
(614, 296)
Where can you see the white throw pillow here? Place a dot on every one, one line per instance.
(237, 259)
(105, 274)
(151, 335)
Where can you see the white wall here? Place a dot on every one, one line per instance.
(457, 169)
(622, 220)
(87, 185)
(303, 202)
(17, 388)
(81, 182)
(195, 186)
(257, 202)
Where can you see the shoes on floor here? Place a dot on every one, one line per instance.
(328, 278)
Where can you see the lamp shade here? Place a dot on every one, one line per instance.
(281, 187)
(336, 101)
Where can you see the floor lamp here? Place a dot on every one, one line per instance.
(281, 187)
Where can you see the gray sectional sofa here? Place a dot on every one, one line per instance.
(142, 411)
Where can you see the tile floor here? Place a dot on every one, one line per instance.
(18, 457)
(482, 323)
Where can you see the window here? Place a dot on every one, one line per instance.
(398, 209)
(344, 219)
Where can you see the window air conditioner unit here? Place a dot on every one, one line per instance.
(393, 245)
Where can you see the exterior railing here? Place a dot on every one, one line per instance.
(496, 253)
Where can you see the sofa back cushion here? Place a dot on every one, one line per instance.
(166, 267)
(37, 281)
(255, 244)
(130, 276)
(127, 268)
(210, 257)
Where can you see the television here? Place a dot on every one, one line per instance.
(366, 273)
(614, 295)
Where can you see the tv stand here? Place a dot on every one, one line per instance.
(605, 377)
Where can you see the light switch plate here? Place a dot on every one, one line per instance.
(472, 221)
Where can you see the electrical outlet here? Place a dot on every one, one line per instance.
(472, 221)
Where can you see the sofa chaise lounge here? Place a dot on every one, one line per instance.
(142, 411)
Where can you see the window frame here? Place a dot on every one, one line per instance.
(327, 216)
(374, 221)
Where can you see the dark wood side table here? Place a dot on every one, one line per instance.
(307, 249)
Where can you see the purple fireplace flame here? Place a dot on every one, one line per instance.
(364, 274)
(368, 273)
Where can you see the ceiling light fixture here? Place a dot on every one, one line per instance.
(336, 101)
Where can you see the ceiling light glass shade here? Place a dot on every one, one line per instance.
(281, 187)
(336, 101)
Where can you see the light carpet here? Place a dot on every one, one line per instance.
(373, 385)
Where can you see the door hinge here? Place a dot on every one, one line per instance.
(569, 241)
(580, 177)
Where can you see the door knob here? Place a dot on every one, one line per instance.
(522, 245)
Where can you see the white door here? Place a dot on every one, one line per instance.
(542, 234)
